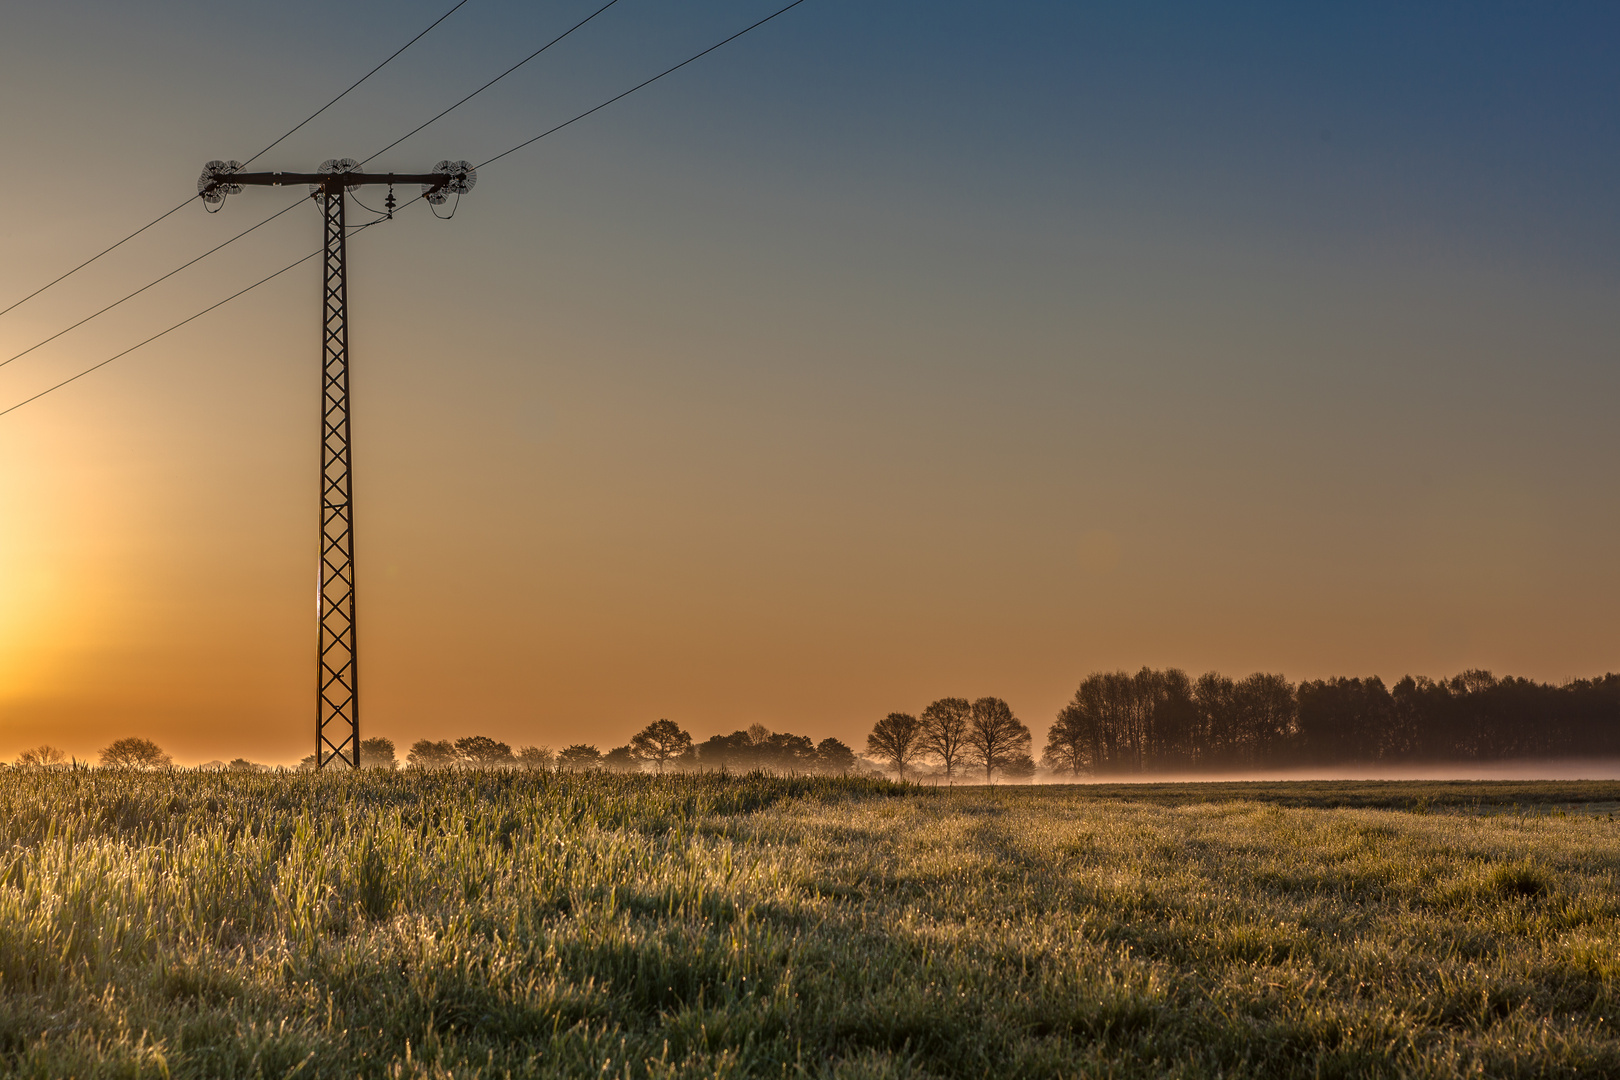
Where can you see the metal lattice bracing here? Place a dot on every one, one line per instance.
(337, 681)
(337, 722)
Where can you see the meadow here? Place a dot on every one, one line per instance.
(493, 924)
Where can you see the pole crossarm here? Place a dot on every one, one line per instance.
(335, 179)
(222, 178)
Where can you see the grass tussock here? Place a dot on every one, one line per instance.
(530, 924)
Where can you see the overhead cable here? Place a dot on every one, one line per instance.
(189, 199)
(493, 81)
(649, 82)
(149, 284)
(357, 82)
(169, 330)
(497, 157)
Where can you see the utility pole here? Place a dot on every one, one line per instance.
(337, 676)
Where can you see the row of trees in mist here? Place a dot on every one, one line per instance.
(661, 745)
(1164, 721)
(957, 738)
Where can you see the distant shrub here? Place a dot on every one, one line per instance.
(536, 757)
(621, 759)
(481, 751)
(377, 753)
(579, 758)
(427, 754)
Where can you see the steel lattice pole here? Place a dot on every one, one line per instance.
(337, 719)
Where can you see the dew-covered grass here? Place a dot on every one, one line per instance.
(530, 924)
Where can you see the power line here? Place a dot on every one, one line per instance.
(261, 153)
(99, 254)
(149, 284)
(493, 81)
(649, 82)
(358, 81)
(497, 157)
(169, 330)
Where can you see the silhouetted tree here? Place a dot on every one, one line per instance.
(833, 756)
(758, 748)
(483, 752)
(41, 757)
(995, 737)
(621, 759)
(579, 757)
(241, 764)
(661, 741)
(133, 753)
(427, 754)
(1071, 741)
(536, 757)
(944, 732)
(894, 739)
(377, 753)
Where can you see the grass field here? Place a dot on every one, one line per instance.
(512, 924)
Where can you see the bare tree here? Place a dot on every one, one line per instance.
(41, 757)
(660, 741)
(895, 739)
(996, 739)
(944, 732)
(133, 753)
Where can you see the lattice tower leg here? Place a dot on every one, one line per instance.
(337, 719)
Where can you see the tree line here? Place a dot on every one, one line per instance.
(661, 745)
(1117, 724)
(1164, 721)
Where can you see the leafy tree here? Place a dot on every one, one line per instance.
(427, 754)
(579, 757)
(996, 738)
(133, 753)
(242, 764)
(41, 757)
(944, 732)
(377, 753)
(895, 739)
(734, 751)
(621, 759)
(483, 752)
(536, 757)
(782, 752)
(660, 741)
(834, 756)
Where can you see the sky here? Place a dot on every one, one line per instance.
(894, 351)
